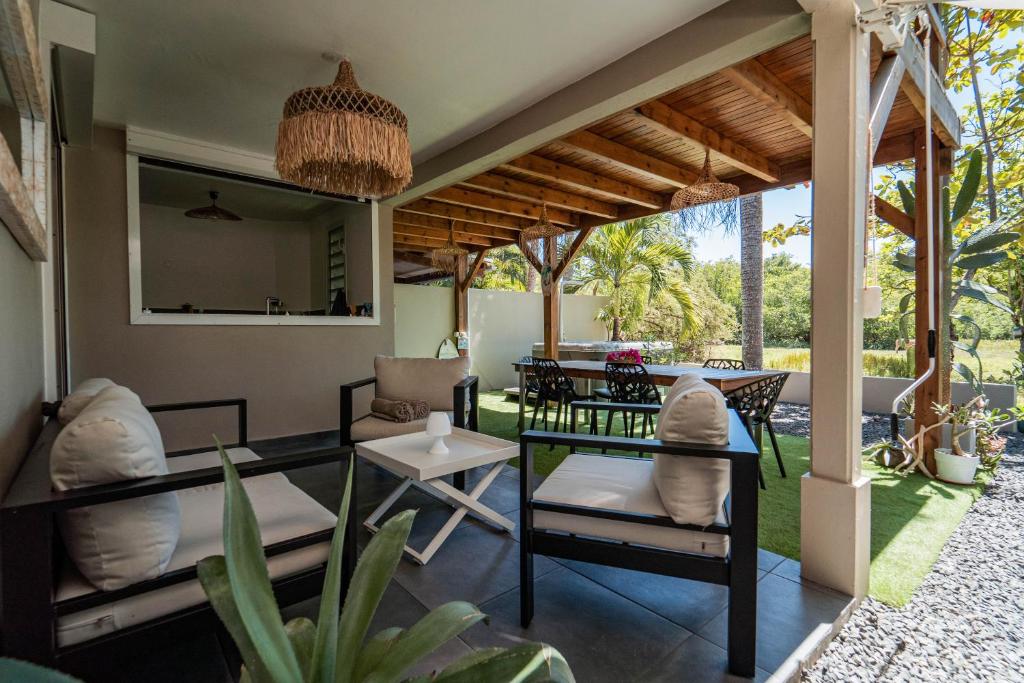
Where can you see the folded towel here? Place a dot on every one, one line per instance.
(394, 411)
(420, 409)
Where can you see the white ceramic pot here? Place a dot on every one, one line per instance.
(956, 469)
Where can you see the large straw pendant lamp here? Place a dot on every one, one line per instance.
(541, 229)
(339, 138)
(706, 189)
(446, 258)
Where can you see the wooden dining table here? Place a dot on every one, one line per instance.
(662, 375)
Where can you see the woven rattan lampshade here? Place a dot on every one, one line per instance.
(213, 212)
(339, 138)
(541, 229)
(446, 258)
(707, 189)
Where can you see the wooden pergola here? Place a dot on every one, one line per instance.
(755, 117)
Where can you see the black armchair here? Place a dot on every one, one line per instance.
(724, 552)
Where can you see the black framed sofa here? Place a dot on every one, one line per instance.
(690, 511)
(100, 531)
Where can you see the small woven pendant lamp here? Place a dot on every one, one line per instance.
(446, 258)
(342, 139)
(541, 229)
(706, 189)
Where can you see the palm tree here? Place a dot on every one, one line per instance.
(752, 279)
(508, 270)
(637, 263)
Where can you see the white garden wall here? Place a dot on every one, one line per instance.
(503, 326)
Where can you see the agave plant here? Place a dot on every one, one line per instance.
(335, 649)
(970, 253)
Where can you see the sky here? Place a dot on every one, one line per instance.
(784, 205)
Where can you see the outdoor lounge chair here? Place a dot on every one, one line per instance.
(53, 615)
(605, 509)
(445, 384)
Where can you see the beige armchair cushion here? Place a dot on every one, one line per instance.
(422, 379)
(372, 427)
(692, 489)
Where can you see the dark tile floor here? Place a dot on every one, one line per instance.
(610, 624)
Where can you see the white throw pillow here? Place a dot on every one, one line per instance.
(75, 402)
(115, 439)
(692, 489)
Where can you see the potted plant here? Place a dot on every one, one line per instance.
(907, 428)
(954, 464)
(991, 444)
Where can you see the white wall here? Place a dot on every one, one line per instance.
(503, 326)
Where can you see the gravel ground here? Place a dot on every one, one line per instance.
(966, 621)
(794, 419)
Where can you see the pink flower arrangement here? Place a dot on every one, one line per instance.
(625, 356)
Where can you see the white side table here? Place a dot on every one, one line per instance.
(407, 456)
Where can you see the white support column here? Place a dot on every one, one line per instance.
(835, 498)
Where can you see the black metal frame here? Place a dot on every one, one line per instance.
(30, 551)
(737, 571)
(724, 364)
(755, 402)
(553, 385)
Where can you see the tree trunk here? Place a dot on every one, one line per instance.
(986, 142)
(616, 329)
(531, 277)
(752, 279)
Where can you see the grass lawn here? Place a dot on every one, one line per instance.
(911, 517)
(997, 355)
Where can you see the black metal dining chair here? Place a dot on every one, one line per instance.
(725, 364)
(755, 403)
(630, 383)
(606, 393)
(553, 385)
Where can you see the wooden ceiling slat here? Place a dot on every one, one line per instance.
(441, 234)
(518, 189)
(424, 221)
(617, 153)
(576, 178)
(764, 85)
(489, 202)
(665, 118)
(462, 213)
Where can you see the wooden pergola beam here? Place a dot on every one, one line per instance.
(659, 116)
(442, 234)
(474, 270)
(608, 150)
(581, 238)
(519, 189)
(413, 257)
(580, 179)
(894, 217)
(425, 221)
(756, 80)
(945, 121)
(421, 278)
(461, 213)
(885, 85)
(531, 257)
(489, 202)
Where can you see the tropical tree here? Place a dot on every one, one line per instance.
(752, 279)
(508, 270)
(637, 264)
(967, 250)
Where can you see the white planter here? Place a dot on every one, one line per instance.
(956, 469)
(967, 440)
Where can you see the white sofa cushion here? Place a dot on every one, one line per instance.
(692, 489)
(282, 510)
(115, 439)
(75, 402)
(623, 484)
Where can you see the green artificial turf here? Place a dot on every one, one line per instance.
(911, 517)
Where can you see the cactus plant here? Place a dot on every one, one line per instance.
(335, 649)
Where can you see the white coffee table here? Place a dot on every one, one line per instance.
(407, 456)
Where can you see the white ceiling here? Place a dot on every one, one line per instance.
(220, 70)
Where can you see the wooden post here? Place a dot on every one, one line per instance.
(461, 289)
(931, 391)
(552, 299)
